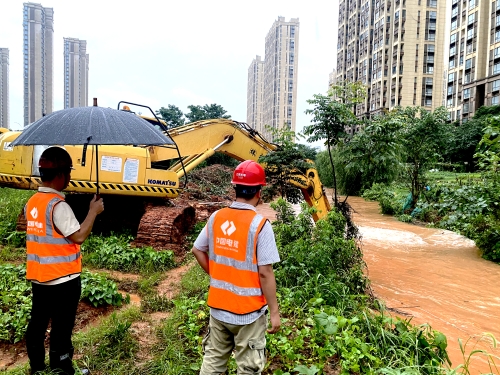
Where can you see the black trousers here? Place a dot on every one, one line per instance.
(57, 303)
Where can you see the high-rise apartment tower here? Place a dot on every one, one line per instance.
(279, 89)
(392, 46)
(473, 77)
(38, 34)
(76, 73)
(255, 93)
(4, 88)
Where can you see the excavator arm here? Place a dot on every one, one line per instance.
(200, 140)
(153, 171)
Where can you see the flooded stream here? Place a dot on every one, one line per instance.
(433, 276)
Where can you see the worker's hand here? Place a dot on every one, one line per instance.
(96, 205)
(275, 323)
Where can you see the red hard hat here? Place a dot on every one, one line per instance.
(249, 173)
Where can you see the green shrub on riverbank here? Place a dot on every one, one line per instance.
(468, 205)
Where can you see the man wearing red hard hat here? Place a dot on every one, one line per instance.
(237, 249)
(54, 262)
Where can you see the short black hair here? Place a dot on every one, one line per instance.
(56, 161)
(246, 192)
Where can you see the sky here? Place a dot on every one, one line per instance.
(175, 52)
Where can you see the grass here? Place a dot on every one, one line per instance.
(12, 254)
(12, 202)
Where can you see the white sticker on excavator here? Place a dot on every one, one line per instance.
(8, 147)
(131, 171)
(111, 164)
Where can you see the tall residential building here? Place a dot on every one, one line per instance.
(76, 73)
(391, 46)
(473, 78)
(332, 78)
(38, 34)
(255, 92)
(4, 88)
(279, 88)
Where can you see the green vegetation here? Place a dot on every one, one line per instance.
(12, 202)
(115, 253)
(15, 298)
(287, 163)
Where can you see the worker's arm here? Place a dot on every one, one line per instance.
(201, 257)
(268, 285)
(96, 207)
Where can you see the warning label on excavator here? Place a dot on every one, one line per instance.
(131, 171)
(111, 164)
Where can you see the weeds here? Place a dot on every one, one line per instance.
(12, 202)
(115, 253)
(109, 348)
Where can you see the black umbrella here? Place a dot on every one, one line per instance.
(92, 126)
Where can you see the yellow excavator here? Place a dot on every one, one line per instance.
(145, 176)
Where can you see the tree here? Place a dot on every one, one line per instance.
(331, 116)
(207, 112)
(465, 137)
(172, 115)
(371, 156)
(423, 140)
(287, 163)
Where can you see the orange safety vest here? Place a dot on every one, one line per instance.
(49, 254)
(234, 275)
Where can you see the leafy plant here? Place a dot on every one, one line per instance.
(115, 253)
(100, 290)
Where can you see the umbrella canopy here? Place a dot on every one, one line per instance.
(92, 126)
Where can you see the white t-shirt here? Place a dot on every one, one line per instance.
(65, 221)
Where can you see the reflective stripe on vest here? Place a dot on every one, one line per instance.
(234, 279)
(49, 254)
(53, 259)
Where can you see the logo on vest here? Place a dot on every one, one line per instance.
(34, 213)
(228, 228)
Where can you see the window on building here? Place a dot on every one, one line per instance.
(453, 38)
(496, 68)
(466, 93)
(450, 90)
(471, 18)
(470, 34)
(451, 77)
(495, 100)
(451, 64)
(465, 108)
(472, 4)
(454, 25)
(468, 63)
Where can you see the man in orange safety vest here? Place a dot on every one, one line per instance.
(54, 262)
(237, 249)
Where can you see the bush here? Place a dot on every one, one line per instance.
(115, 253)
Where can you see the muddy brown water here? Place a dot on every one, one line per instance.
(432, 276)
